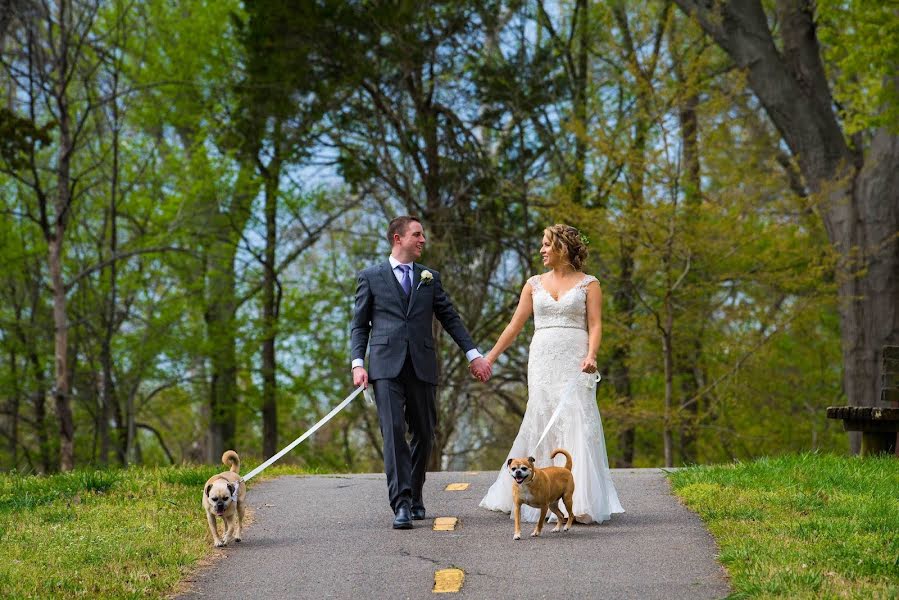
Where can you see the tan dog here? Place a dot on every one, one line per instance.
(223, 496)
(542, 488)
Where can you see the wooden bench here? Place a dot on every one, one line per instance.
(879, 425)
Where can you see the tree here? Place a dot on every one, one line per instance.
(855, 179)
(48, 68)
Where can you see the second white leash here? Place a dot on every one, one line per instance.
(562, 402)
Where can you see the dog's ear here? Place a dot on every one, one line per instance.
(208, 487)
(231, 488)
(531, 459)
(509, 463)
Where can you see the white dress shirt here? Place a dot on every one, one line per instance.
(398, 273)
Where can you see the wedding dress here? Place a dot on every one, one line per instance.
(557, 349)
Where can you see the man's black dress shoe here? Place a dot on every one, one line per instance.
(403, 519)
(418, 513)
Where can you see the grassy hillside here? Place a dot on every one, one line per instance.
(115, 533)
(802, 526)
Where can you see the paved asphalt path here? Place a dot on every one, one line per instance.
(331, 537)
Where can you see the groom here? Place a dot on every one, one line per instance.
(395, 305)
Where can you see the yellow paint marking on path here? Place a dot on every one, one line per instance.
(457, 487)
(445, 523)
(448, 580)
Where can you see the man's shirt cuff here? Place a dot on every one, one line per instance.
(358, 362)
(472, 354)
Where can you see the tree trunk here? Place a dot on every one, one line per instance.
(690, 340)
(667, 351)
(107, 395)
(13, 408)
(40, 412)
(580, 103)
(226, 228)
(121, 432)
(624, 302)
(270, 304)
(221, 333)
(131, 450)
(55, 234)
(61, 340)
(869, 307)
(859, 193)
(667, 331)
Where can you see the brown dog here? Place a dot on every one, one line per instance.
(223, 496)
(542, 488)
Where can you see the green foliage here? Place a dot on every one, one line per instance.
(802, 526)
(860, 41)
(20, 137)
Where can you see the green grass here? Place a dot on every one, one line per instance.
(807, 526)
(131, 533)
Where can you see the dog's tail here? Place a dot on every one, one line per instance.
(567, 457)
(230, 457)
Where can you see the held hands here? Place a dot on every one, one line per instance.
(480, 369)
(588, 365)
(360, 377)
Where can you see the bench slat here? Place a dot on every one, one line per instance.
(863, 413)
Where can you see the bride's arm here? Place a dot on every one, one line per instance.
(522, 314)
(594, 326)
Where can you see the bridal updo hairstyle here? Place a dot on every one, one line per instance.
(566, 241)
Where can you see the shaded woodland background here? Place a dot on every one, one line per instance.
(188, 189)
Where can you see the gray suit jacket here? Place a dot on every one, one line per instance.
(397, 326)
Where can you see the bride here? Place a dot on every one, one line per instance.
(561, 369)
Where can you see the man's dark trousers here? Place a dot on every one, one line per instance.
(406, 403)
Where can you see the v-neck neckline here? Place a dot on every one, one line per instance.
(561, 296)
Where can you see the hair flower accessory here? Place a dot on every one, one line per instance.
(584, 239)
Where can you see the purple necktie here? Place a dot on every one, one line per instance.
(406, 281)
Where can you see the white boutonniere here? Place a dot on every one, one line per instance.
(427, 278)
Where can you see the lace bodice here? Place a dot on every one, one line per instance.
(570, 310)
(560, 339)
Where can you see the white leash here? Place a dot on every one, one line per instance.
(565, 396)
(312, 430)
